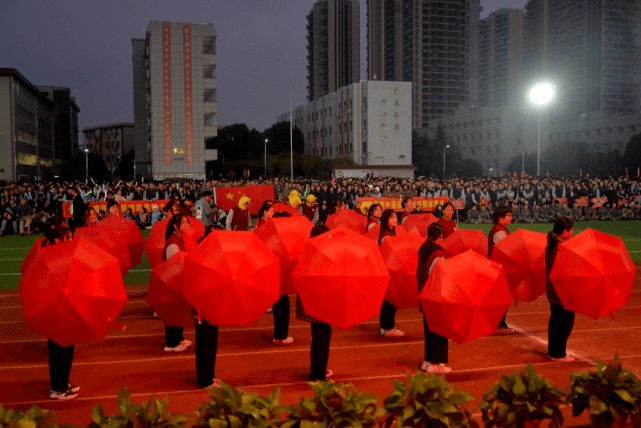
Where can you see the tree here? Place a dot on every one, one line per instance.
(427, 154)
(125, 168)
(469, 168)
(237, 141)
(632, 156)
(278, 137)
(516, 164)
(75, 169)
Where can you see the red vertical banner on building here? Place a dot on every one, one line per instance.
(189, 111)
(166, 84)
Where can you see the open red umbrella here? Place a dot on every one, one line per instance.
(286, 237)
(465, 297)
(428, 217)
(341, 278)
(278, 207)
(165, 293)
(401, 257)
(156, 240)
(374, 232)
(593, 273)
(349, 219)
(72, 293)
(129, 231)
(463, 240)
(231, 278)
(108, 240)
(522, 255)
(31, 255)
(418, 223)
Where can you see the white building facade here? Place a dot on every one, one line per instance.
(369, 122)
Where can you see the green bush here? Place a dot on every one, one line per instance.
(34, 418)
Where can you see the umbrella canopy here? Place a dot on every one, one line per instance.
(231, 278)
(128, 230)
(418, 223)
(31, 255)
(593, 273)
(428, 217)
(72, 293)
(286, 237)
(156, 240)
(401, 257)
(165, 293)
(376, 230)
(465, 297)
(108, 240)
(341, 278)
(463, 240)
(348, 219)
(278, 207)
(522, 255)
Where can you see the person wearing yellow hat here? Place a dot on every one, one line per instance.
(294, 199)
(310, 208)
(239, 218)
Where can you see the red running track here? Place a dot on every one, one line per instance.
(246, 356)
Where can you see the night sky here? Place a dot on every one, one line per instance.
(86, 45)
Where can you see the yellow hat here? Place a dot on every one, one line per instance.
(365, 207)
(294, 201)
(243, 203)
(311, 200)
(294, 193)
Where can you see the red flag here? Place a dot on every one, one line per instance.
(501, 174)
(515, 176)
(228, 197)
(626, 171)
(638, 172)
(580, 173)
(547, 173)
(333, 180)
(525, 174)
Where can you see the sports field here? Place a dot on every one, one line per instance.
(13, 249)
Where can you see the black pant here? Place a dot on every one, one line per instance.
(435, 346)
(173, 336)
(60, 360)
(388, 314)
(281, 317)
(559, 329)
(206, 349)
(321, 335)
(503, 324)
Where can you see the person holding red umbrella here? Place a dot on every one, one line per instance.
(374, 216)
(448, 223)
(436, 346)
(321, 333)
(388, 311)
(60, 359)
(265, 213)
(561, 320)
(176, 228)
(408, 207)
(239, 217)
(502, 218)
(310, 208)
(113, 208)
(90, 217)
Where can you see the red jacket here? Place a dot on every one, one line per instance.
(449, 227)
(490, 238)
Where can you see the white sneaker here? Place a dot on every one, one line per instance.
(435, 368)
(178, 348)
(62, 395)
(214, 384)
(566, 359)
(185, 342)
(287, 341)
(392, 333)
(269, 310)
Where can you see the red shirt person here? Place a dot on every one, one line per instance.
(502, 218)
(448, 223)
(239, 218)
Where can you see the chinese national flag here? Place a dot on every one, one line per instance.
(580, 173)
(228, 197)
(525, 174)
(515, 176)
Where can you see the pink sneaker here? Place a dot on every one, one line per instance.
(435, 368)
(392, 333)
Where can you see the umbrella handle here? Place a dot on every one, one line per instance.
(611, 315)
(199, 319)
(120, 327)
(516, 304)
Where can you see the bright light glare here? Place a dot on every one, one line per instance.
(542, 94)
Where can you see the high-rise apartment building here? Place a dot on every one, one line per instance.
(112, 142)
(438, 44)
(174, 99)
(65, 123)
(590, 51)
(501, 58)
(333, 47)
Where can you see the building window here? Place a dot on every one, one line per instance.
(330, 131)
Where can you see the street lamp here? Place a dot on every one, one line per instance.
(86, 165)
(491, 173)
(446, 147)
(265, 177)
(540, 95)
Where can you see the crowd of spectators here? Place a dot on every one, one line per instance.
(27, 206)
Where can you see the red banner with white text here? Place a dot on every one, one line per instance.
(166, 84)
(426, 204)
(189, 112)
(228, 197)
(136, 206)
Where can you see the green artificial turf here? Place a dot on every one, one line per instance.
(13, 249)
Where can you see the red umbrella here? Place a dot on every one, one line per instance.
(418, 223)
(129, 231)
(401, 257)
(156, 240)
(165, 293)
(522, 255)
(72, 293)
(428, 217)
(108, 240)
(463, 240)
(349, 219)
(278, 207)
(374, 232)
(593, 273)
(341, 278)
(31, 255)
(231, 278)
(286, 237)
(465, 297)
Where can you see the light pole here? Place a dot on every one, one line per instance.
(540, 95)
(86, 165)
(491, 173)
(265, 177)
(447, 146)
